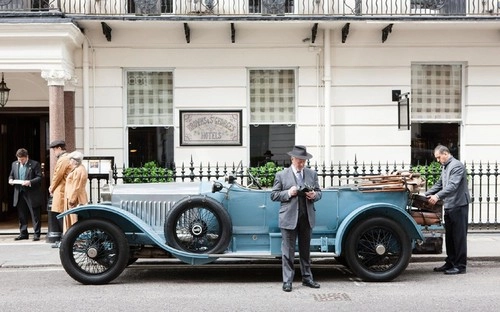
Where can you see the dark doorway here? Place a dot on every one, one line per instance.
(27, 128)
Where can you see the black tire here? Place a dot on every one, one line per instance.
(198, 224)
(377, 249)
(131, 261)
(94, 251)
(342, 261)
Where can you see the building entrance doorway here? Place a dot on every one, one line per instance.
(27, 128)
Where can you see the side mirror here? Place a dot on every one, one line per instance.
(216, 187)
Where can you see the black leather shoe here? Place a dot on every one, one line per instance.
(310, 283)
(453, 271)
(20, 237)
(287, 287)
(36, 238)
(443, 268)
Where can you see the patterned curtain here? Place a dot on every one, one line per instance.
(436, 92)
(272, 96)
(149, 98)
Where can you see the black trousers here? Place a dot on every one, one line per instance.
(456, 221)
(23, 211)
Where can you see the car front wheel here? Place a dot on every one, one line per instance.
(94, 251)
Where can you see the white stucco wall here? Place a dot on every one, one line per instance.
(210, 72)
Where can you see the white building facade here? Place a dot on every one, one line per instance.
(320, 75)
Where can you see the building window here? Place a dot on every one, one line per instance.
(272, 114)
(154, 7)
(436, 109)
(271, 6)
(150, 117)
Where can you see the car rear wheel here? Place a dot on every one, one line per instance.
(198, 224)
(377, 249)
(94, 251)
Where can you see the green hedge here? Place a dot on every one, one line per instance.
(429, 172)
(149, 173)
(265, 174)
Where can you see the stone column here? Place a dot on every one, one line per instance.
(56, 80)
(69, 120)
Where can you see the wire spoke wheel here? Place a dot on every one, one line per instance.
(377, 249)
(94, 251)
(198, 225)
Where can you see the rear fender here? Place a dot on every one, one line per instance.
(377, 209)
(133, 226)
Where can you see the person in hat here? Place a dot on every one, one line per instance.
(297, 188)
(58, 183)
(75, 192)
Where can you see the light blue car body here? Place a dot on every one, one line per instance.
(140, 211)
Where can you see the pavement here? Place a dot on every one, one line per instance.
(482, 246)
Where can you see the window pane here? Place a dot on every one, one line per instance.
(272, 96)
(151, 144)
(277, 139)
(149, 97)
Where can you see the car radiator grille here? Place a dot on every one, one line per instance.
(153, 213)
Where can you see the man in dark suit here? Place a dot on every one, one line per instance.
(296, 215)
(26, 176)
(453, 189)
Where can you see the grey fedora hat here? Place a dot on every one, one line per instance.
(299, 151)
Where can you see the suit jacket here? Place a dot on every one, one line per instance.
(76, 187)
(452, 185)
(61, 171)
(289, 209)
(34, 196)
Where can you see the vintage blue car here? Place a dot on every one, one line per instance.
(366, 226)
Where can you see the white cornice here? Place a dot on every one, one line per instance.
(60, 31)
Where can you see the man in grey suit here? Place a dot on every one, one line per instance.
(297, 189)
(452, 188)
(26, 176)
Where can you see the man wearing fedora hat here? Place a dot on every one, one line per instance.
(297, 189)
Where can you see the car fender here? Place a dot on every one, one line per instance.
(133, 226)
(379, 209)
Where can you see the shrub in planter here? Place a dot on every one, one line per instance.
(265, 174)
(149, 173)
(429, 172)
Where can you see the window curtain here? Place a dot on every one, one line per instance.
(272, 96)
(149, 98)
(436, 92)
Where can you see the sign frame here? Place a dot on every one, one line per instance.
(210, 128)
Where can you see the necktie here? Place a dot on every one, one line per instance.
(299, 178)
(22, 172)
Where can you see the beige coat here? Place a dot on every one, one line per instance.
(75, 190)
(75, 194)
(63, 168)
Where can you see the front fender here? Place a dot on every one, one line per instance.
(133, 226)
(379, 209)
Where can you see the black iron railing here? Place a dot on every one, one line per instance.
(483, 181)
(260, 7)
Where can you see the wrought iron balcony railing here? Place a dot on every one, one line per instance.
(361, 8)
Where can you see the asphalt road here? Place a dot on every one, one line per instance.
(250, 288)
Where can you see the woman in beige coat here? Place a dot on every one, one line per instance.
(75, 192)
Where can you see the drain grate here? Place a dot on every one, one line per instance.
(332, 297)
